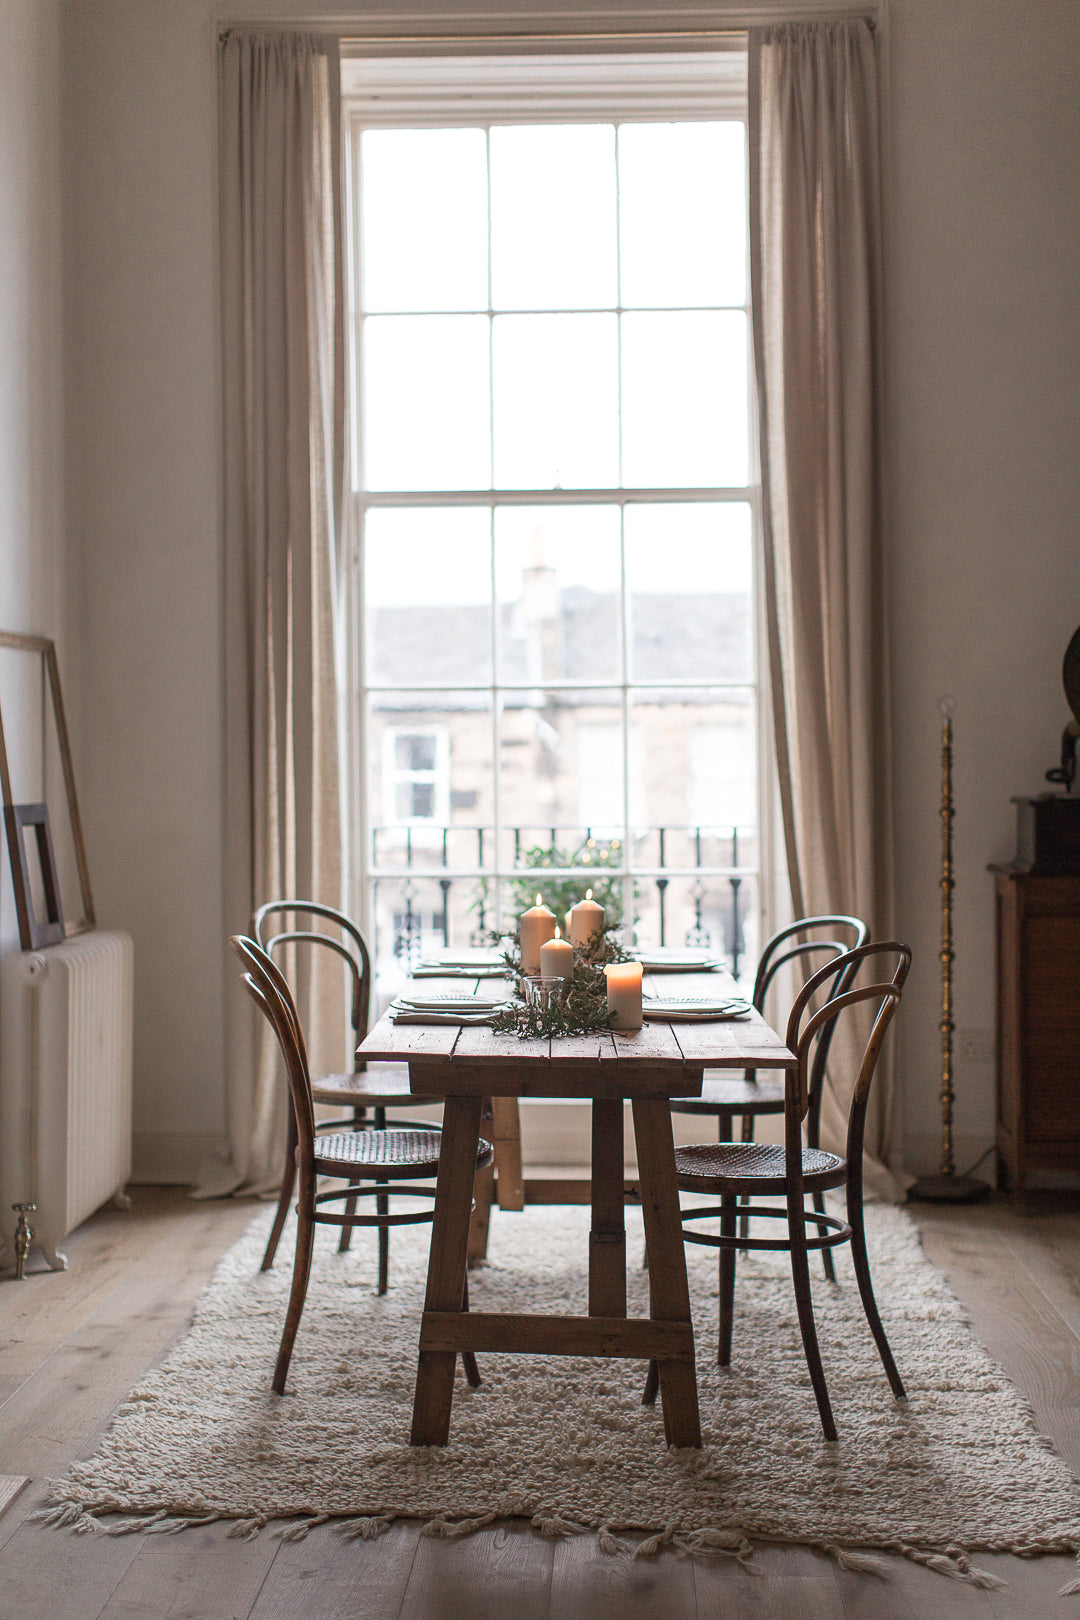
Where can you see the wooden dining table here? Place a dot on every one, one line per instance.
(469, 1066)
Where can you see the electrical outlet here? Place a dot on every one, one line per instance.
(974, 1046)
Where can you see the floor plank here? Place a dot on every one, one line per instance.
(327, 1577)
(587, 1584)
(500, 1571)
(198, 1575)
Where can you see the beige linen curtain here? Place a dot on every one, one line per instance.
(282, 306)
(816, 298)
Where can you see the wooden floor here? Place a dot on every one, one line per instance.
(72, 1344)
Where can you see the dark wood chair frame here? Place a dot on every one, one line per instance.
(728, 1098)
(267, 986)
(367, 1103)
(794, 1181)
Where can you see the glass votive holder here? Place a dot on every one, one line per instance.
(544, 991)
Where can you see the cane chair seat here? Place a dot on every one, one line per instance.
(752, 1168)
(739, 1094)
(365, 1091)
(398, 1153)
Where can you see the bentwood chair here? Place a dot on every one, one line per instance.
(741, 1170)
(728, 1097)
(365, 1096)
(383, 1157)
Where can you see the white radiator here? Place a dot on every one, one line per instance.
(65, 1083)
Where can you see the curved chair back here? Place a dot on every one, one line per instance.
(350, 945)
(804, 1032)
(833, 978)
(266, 984)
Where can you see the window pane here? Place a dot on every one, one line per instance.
(547, 798)
(701, 778)
(557, 589)
(556, 401)
(709, 912)
(553, 217)
(689, 583)
(424, 206)
(427, 596)
(684, 399)
(682, 214)
(423, 817)
(426, 402)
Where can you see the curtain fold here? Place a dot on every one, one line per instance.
(815, 261)
(282, 280)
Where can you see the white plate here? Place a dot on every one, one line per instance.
(665, 960)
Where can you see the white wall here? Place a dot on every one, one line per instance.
(984, 358)
(985, 567)
(31, 410)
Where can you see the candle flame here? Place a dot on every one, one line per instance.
(539, 899)
(588, 894)
(558, 932)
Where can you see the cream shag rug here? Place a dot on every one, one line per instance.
(567, 1443)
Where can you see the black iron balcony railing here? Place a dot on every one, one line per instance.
(710, 859)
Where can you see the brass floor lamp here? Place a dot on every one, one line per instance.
(947, 1187)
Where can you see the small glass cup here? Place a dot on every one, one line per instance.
(543, 991)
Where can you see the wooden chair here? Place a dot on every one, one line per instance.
(357, 1091)
(384, 1157)
(745, 1096)
(741, 1170)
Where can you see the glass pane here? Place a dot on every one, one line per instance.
(710, 912)
(561, 769)
(689, 580)
(429, 815)
(556, 401)
(684, 399)
(427, 595)
(701, 779)
(415, 916)
(424, 209)
(426, 414)
(557, 589)
(682, 214)
(553, 217)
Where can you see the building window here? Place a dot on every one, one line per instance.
(555, 489)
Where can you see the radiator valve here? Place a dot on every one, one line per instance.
(23, 1237)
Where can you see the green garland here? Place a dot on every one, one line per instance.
(583, 1009)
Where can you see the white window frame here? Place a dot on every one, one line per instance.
(413, 92)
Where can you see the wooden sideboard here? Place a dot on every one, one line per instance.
(1038, 1023)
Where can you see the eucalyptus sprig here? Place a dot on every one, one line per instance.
(581, 1010)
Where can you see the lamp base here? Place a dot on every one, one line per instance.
(948, 1190)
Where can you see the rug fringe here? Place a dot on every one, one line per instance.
(859, 1563)
(247, 1529)
(444, 1530)
(722, 1543)
(1071, 1588)
(299, 1530)
(556, 1527)
(363, 1529)
(955, 1563)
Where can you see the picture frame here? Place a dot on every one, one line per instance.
(45, 650)
(34, 932)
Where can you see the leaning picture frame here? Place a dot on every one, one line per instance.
(45, 650)
(34, 930)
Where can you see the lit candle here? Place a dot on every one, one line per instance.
(624, 994)
(557, 958)
(534, 927)
(587, 920)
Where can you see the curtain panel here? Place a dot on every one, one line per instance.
(816, 299)
(282, 280)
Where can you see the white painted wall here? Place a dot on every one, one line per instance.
(985, 566)
(31, 405)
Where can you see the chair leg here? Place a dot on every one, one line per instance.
(305, 1238)
(747, 1136)
(652, 1385)
(468, 1357)
(382, 1207)
(729, 1204)
(804, 1304)
(866, 1290)
(826, 1254)
(288, 1181)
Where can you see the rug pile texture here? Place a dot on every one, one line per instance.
(566, 1442)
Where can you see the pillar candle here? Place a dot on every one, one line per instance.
(534, 927)
(624, 994)
(587, 920)
(557, 958)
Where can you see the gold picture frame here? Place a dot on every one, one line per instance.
(46, 650)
